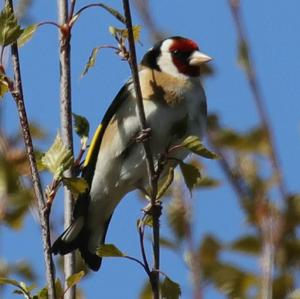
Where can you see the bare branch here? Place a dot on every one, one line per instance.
(66, 124)
(16, 90)
(156, 208)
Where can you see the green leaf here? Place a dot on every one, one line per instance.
(58, 158)
(170, 289)
(209, 250)
(177, 217)
(148, 220)
(10, 31)
(207, 182)
(58, 289)
(3, 86)
(166, 184)
(23, 289)
(91, 61)
(114, 12)
(109, 250)
(74, 279)
(9, 281)
(27, 34)
(247, 244)
(123, 33)
(43, 294)
(82, 128)
(146, 292)
(76, 185)
(166, 243)
(191, 175)
(194, 144)
(243, 56)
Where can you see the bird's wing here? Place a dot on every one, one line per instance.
(92, 154)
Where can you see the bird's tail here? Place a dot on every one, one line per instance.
(77, 236)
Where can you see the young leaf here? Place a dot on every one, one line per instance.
(178, 215)
(114, 12)
(166, 184)
(76, 185)
(43, 293)
(58, 289)
(243, 56)
(207, 182)
(74, 279)
(9, 281)
(58, 158)
(81, 126)
(247, 244)
(27, 35)
(10, 31)
(170, 289)
(91, 61)
(3, 86)
(191, 175)
(123, 33)
(194, 144)
(109, 250)
(22, 287)
(148, 220)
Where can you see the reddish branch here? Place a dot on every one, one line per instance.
(16, 90)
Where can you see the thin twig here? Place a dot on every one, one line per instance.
(137, 261)
(16, 90)
(48, 23)
(257, 96)
(156, 208)
(66, 124)
(101, 5)
(141, 235)
(72, 8)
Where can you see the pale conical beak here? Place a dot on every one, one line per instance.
(198, 58)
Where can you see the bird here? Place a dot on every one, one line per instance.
(175, 108)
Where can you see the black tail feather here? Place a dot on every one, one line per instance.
(80, 242)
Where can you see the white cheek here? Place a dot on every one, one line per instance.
(165, 61)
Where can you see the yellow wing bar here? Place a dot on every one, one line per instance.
(92, 146)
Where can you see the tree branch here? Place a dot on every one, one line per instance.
(66, 124)
(156, 208)
(16, 90)
(257, 96)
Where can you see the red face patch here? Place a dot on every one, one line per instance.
(181, 50)
(183, 45)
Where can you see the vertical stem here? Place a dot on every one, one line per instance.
(66, 124)
(267, 258)
(156, 208)
(17, 93)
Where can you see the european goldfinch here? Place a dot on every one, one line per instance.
(175, 108)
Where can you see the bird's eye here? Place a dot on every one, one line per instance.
(182, 55)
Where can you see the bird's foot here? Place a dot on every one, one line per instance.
(143, 135)
(154, 210)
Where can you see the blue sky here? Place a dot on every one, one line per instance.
(271, 26)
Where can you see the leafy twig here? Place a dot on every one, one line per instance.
(156, 208)
(16, 90)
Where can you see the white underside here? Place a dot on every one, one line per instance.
(114, 177)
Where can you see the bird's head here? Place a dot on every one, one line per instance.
(177, 56)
